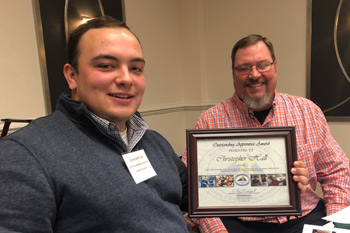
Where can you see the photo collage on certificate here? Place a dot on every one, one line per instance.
(210, 181)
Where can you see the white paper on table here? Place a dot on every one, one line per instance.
(328, 228)
(342, 216)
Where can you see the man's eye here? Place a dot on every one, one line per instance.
(104, 66)
(262, 66)
(243, 68)
(137, 69)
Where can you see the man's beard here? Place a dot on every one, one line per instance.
(257, 104)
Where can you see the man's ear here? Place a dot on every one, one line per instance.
(70, 75)
(275, 65)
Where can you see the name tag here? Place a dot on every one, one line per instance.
(139, 166)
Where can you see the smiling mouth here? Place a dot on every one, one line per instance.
(120, 96)
(255, 84)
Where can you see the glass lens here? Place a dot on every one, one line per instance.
(243, 69)
(263, 67)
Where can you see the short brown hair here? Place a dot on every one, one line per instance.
(250, 40)
(75, 36)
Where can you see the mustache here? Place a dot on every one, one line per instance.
(252, 81)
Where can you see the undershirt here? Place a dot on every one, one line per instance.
(261, 115)
(124, 136)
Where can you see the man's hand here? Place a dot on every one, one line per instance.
(300, 175)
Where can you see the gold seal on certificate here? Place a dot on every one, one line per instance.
(242, 172)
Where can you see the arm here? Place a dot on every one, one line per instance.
(27, 200)
(206, 225)
(332, 168)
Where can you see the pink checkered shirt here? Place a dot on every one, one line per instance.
(326, 161)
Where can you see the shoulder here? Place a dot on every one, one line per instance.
(224, 104)
(153, 137)
(299, 108)
(296, 101)
(158, 148)
(218, 108)
(155, 134)
(50, 133)
(290, 97)
(41, 127)
(216, 115)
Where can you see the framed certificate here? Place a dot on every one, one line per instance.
(242, 172)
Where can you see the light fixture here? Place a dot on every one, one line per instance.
(78, 12)
(85, 18)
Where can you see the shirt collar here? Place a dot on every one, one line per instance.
(136, 128)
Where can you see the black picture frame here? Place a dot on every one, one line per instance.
(329, 82)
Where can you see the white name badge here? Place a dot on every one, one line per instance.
(139, 166)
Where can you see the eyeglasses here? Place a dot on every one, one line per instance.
(261, 67)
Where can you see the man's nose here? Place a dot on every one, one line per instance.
(254, 73)
(124, 77)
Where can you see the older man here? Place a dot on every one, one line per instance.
(256, 103)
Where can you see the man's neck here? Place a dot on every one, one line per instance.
(262, 114)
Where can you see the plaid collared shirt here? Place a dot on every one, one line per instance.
(326, 161)
(136, 129)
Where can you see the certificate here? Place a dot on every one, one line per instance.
(242, 172)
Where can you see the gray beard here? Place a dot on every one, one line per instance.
(258, 104)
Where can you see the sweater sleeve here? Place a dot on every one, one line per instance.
(205, 225)
(184, 181)
(27, 202)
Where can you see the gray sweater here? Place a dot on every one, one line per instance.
(63, 173)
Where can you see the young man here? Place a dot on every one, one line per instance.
(256, 103)
(69, 172)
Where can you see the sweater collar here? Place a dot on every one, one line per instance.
(78, 111)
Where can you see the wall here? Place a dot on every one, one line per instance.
(21, 94)
(208, 30)
(187, 47)
(283, 22)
